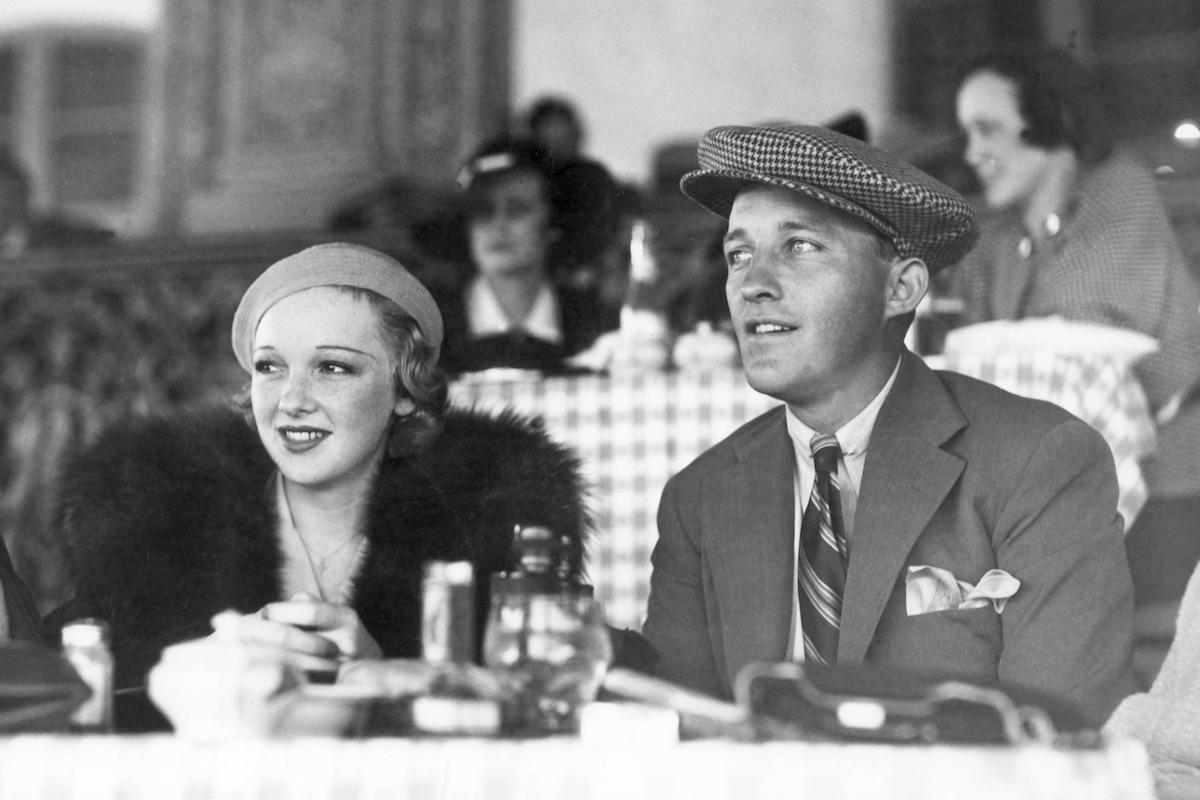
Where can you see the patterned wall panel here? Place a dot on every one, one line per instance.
(277, 107)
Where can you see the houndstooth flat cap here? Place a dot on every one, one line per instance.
(922, 217)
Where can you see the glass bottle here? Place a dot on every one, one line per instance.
(545, 637)
(462, 699)
(448, 612)
(643, 333)
(85, 644)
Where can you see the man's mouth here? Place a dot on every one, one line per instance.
(767, 328)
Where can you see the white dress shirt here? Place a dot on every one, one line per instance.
(486, 317)
(852, 439)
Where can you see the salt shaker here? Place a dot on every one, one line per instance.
(86, 646)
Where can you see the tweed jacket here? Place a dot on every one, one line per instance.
(958, 475)
(1167, 718)
(1116, 262)
(171, 520)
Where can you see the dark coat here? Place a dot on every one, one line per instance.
(172, 520)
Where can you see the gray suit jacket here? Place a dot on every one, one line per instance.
(958, 475)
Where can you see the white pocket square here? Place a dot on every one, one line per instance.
(935, 589)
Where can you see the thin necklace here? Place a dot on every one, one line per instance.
(335, 592)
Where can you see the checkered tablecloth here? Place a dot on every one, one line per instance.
(169, 768)
(632, 433)
(1103, 392)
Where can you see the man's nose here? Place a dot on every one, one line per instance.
(760, 281)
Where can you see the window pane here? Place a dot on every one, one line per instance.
(8, 80)
(96, 74)
(93, 167)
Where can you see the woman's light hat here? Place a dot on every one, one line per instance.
(334, 264)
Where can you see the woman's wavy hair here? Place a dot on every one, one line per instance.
(416, 376)
(1056, 95)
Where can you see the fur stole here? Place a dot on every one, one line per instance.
(170, 520)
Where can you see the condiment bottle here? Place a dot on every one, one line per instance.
(462, 699)
(85, 644)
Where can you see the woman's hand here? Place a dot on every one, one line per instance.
(332, 622)
(319, 634)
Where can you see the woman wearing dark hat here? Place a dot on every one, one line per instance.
(1080, 232)
(316, 518)
(507, 310)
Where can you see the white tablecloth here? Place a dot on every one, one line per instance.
(166, 768)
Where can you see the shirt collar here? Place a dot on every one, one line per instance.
(485, 315)
(854, 435)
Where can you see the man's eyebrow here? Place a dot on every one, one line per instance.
(797, 225)
(785, 225)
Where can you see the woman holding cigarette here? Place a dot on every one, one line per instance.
(314, 509)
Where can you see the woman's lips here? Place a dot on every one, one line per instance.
(300, 440)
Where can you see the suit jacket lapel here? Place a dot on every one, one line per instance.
(751, 533)
(906, 477)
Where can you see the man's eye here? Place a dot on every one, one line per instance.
(735, 258)
(801, 246)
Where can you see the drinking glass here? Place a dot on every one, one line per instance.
(551, 650)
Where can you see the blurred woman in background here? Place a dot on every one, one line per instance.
(315, 519)
(507, 310)
(1079, 231)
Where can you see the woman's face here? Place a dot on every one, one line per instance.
(510, 226)
(322, 389)
(1008, 167)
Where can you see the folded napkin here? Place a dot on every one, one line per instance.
(930, 589)
(641, 344)
(1050, 335)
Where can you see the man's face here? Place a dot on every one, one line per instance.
(1009, 168)
(807, 291)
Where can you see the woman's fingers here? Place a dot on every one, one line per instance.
(337, 623)
(309, 615)
(280, 633)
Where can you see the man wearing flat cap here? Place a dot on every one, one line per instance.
(886, 514)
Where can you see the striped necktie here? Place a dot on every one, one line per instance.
(823, 557)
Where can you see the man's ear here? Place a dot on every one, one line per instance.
(908, 281)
